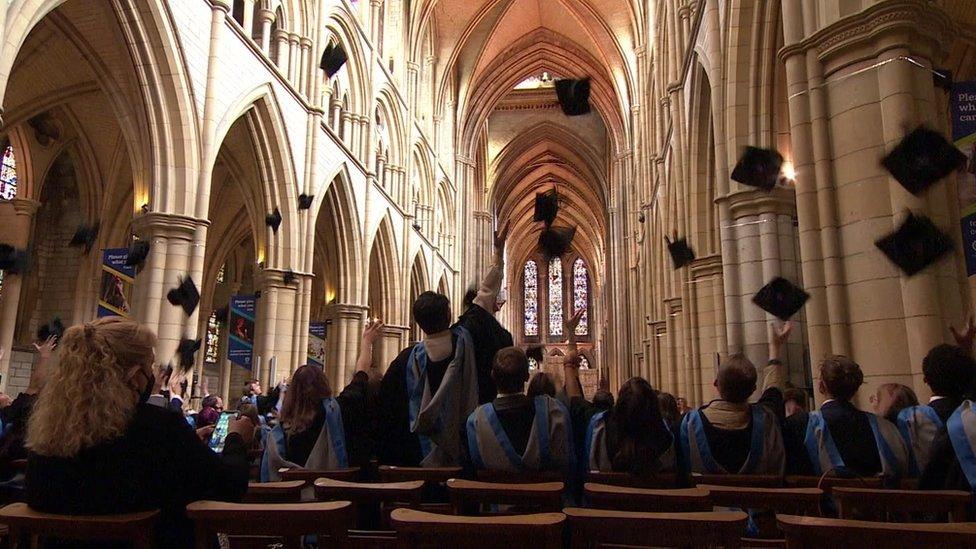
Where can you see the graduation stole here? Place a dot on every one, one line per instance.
(962, 434)
(824, 455)
(918, 425)
(329, 451)
(693, 434)
(485, 415)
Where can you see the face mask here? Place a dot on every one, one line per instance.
(147, 391)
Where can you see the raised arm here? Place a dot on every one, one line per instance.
(965, 338)
(39, 372)
(364, 363)
(774, 375)
(571, 381)
(492, 283)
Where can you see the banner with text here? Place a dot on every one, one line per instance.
(316, 343)
(116, 287)
(240, 343)
(964, 137)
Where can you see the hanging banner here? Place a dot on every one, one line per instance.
(240, 320)
(116, 287)
(316, 343)
(964, 137)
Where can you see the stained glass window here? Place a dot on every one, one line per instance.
(555, 297)
(220, 273)
(581, 296)
(533, 364)
(213, 339)
(531, 294)
(8, 174)
(584, 363)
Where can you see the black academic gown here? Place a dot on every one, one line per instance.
(851, 431)
(488, 336)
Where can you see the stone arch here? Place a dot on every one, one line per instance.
(419, 283)
(337, 219)
(383, 290)
(339, 28)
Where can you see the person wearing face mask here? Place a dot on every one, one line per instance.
(106, 450)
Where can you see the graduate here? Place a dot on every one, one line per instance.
(487, 334)
(731, 436)
(319, 431)
(428, 392)
(517, 433)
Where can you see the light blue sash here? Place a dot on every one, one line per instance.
(962, 441)
(337, 436)
(541, 428)
(910, 424)
(889, 462)
(693, 423)
(415, 392)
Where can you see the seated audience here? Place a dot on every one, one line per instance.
(516, 432)
(731, 436)
(840, 437)
(541, 384)
(16, 415)
(794, 401)
(97, 447)
(428, 392)
(254, 394)
(210, 410)
(891, 398)
(315, 429)
(669, 408)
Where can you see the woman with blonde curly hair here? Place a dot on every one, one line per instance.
(96, 447)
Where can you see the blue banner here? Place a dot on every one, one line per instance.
(316, 343)
(964, 137)
(116, 286)
(240, 320)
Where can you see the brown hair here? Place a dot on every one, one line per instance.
(303, 398)
(901, 397)
(841, 376)
(90, 396)
(736, 379)
(541, 384)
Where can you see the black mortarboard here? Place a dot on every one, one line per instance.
(333, 58)
(138, 252)
(257, 294)
(921, 159)
(288, 277)
(186, 350)
(305, 201)
(574, 96)
(556, 241)
(758, 168)
(54, 328)
(915, 245)
(185, 295)
(221, 314)
(546, 206)
(681, 253)
(273, 220)
(85, 235)
(942, 78)
(535, 352)
(781, 298)
(12, 260)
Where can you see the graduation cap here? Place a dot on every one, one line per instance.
(758, 168)
(273, 220)
(333, 58)
(305, 201)
(221, 314)
(546, 206)
(85, 235)
(12, 260)
(257, 294)
(555, 241)
(54, 328)
(921, 159)
(185, 295)
(288, 277)
(781, 298)
(535, 352)
(915, 245)
(942, 78)
(574, 96)
(138, 252)
(186, 350)
(681, 253)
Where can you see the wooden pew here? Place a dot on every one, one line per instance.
(287, 521)
(523, 477)
(435, 498)
(903, 505)
(470, 494)
(287, 491)
(816, 532)
(763, 503)
(23, 521)
(828, 483)
(753, 481)
(657, 480)
(421, 529)
(647, 500)
(309, 476)
(596, 527)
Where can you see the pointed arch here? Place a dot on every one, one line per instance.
(341, 30)
(383, 291)
(338, 241)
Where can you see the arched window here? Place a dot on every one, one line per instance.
(8, 174)
(212, 350)
(584, 362)
(533, 364)
(581, 296)
(555, 297)
(221, 273)
(531, 295)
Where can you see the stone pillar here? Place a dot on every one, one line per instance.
(17, 234)
(346, 324)
(248, 21)
(281, 38)
(306, 72)
(294, 58)
(374, 21)
(346, 132)
(267, 17)
(275, 324)
(336, 105)
(413, 71)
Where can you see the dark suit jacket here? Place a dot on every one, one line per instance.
(516, 413)
(488, 336)
(851, 431)
(943, 471)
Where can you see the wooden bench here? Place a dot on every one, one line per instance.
(657, 480)
(287, 491)
(287, 521)
(522, 477)
(23, 521)
(309, 476)
(374, 502)
(421, 529)
(434, 498)
(816, 532)
(647, 500)
(903, 505)
(753, 481)
(764, 503)
(467, 495)
(828, 483)
(597, 527)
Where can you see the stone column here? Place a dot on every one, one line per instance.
(347, 132)
(267, 17)
(346, 324)
(374, 21)
(275, 324)
(248, 21)
(306, 71)
(17, 234)
(281, 59)
(294, 58)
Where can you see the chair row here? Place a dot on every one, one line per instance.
(584, 527)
